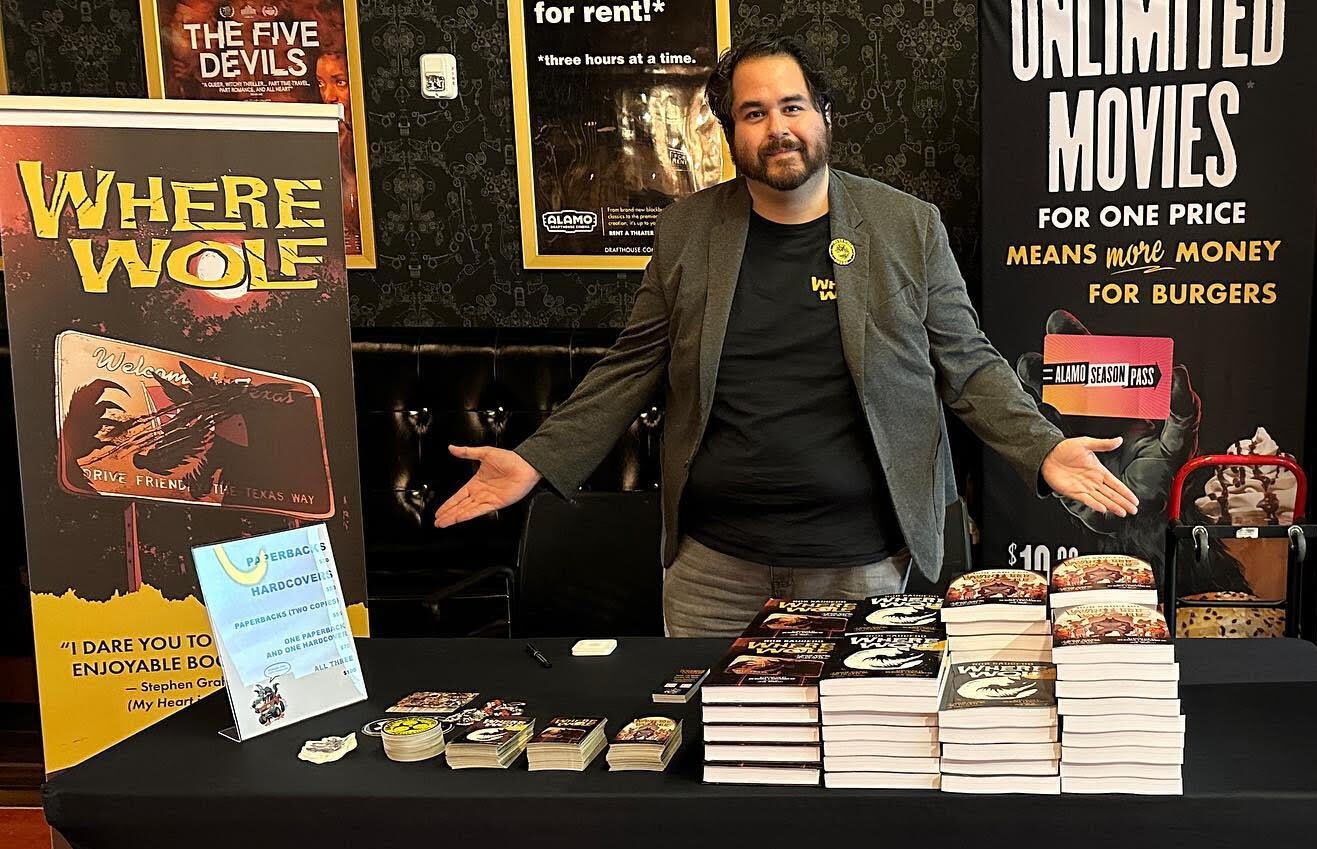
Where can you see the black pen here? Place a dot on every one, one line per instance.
(539, 658)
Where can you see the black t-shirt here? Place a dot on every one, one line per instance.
(787, 474)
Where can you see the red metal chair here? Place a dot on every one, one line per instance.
(1200, 534)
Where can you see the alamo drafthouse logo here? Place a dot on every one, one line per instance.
(570, 221)
(1117, 375)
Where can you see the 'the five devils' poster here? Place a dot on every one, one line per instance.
(287, 51)
(182, 371)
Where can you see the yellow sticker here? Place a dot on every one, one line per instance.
(409, 726)
(842, 251)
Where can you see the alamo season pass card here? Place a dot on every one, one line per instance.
(1125, 377)
(167, 426)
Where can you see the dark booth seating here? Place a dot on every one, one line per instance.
(418, 392)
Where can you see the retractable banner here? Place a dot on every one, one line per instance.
(178, 324)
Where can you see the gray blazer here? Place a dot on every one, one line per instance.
(909, 335)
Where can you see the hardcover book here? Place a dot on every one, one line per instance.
(906, 612)
(784, 671)
(805, 618)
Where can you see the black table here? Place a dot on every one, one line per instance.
(1250, 773)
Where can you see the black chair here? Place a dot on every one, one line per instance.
(590, 567)
(956, 554)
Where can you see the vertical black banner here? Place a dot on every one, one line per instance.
(1149, 175)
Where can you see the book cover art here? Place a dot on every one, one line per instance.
(887, 655)
(999, 683)
(496, 732)
(135, 421)
(1103, 572)
(655, 730)
(755, 662)
(997, 586)
(438, 703)
(569, 730)
(822, 618)
(897, 612)
(1109, 624)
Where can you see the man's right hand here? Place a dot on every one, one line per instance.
(503, 478)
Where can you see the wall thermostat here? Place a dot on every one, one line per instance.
(439, 76)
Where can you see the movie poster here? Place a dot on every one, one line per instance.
(1148, 195)
(288, 51)
(611, 123)
(168, 263)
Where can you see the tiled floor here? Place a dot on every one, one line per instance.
(23, 828)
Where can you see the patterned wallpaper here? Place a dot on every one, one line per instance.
(443, 172)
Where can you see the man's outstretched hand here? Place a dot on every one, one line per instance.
(1072, 469)
(503, 478)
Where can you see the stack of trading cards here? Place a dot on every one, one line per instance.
(567, 742)
(494, 743)
(647, 744)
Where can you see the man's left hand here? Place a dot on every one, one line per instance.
(1072, 469)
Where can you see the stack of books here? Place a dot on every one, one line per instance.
(998, 614)
(761, 701)
(494, 743)
(567, 742)
(1118, 696)
(998, 727)
(878, 701)
(647, 744)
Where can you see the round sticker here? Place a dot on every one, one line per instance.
(376, 726)
(409, 726)
(842, 251)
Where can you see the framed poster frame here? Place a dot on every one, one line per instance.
(532, 256)
(155, 85)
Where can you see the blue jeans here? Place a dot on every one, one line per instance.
(710, 594)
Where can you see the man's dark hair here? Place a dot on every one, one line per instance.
(718, 90)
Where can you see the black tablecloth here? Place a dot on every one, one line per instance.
(1250, 773)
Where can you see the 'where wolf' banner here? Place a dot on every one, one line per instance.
(1148, 185)
(182, 375)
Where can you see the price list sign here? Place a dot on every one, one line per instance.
(281, 628)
